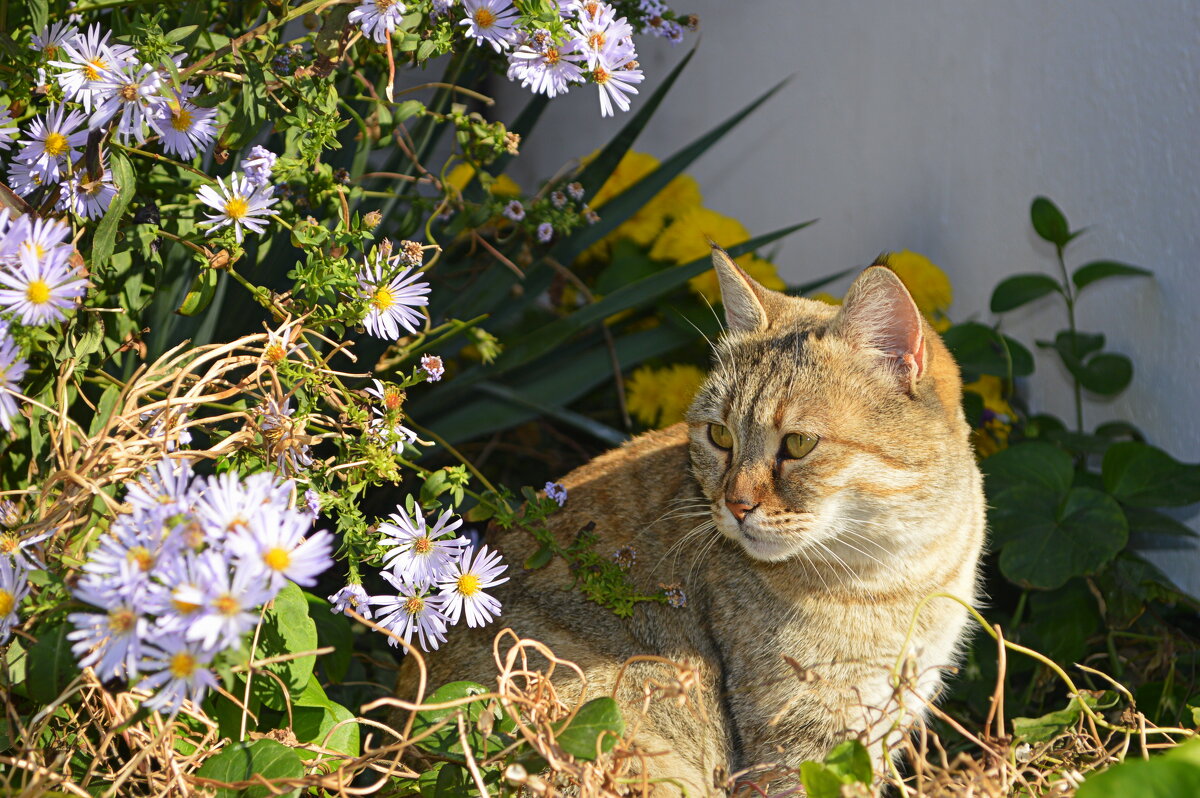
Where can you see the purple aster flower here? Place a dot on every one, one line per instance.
(86, 197)
(549, 71)
(52, 39)
(675, 596)
(411, 611)
(14, 587)
(258, 164)
(433, 367)
(241, 204)
(231, 506)
(20, 550)
(38, 236)
(352, 597)
(12, 369)
(312, 503)
(40, 290)
(130, 93)
(25, 178)
(53, 142)
(231, 598)
(555, 490)
(462, 587)
(514, 210)
(184, 128)
(575, 190)
(109, 641)
(285, 436)
(614, 84)
(8, 129)
(168, 485)
(558, 199)
(165, 427)
(545, 232)
(179, 598)
(281, 552)
(378, 18)
(176, 671)
(490, 21)
(88, 55)
(417, 554)
(392, 301)
(441, 7)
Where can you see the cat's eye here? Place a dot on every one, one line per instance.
(720, 436)
(798, 444)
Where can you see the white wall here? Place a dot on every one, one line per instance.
(930, 125)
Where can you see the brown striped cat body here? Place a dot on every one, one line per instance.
(822, 486)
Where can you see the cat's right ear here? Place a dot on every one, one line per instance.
(879, 314)
(742, 297)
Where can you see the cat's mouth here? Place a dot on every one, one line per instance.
(760, 543)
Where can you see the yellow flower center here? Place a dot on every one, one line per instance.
(7, 602)
(274, 352)
(183, 665)
(423, 546)
(382, 6)
(236, 208)
(128, 92)
(596, 40)
(92, 69)
(51, 51)
(142, 556)
(184, 607)
(227, 605)
(56, 144)
(600, 75)
(181, 120)
(392, 398)
(484, 18)
(8, 543)
(552, 56)
(277, 559)
(468, 584)
(38, 292)
(121, 620)
(414, 604)
(382, 299)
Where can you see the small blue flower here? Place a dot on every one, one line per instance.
(556, 491)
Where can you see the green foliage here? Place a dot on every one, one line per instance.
(1171, 774)
(848, 763)
(243, 762)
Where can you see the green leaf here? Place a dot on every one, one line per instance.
(287, 629)
(445, 740)
(243, 762)
(201, 292)
(1038, 464)
(597, 725)
(851, 761)
(333, 629)
(1049, 222)
(1107, 373)
(1144, 521)
(1078, 345)
(1021, 289)
(179, 34)
(1044, 549)
(314, 718)
(447, 780)
(979, 349)
(539, 559)
(105, 238)
(1171, 775)
(820, 781)
(1048, 726)
(1063, 620)
(51, 660)
(1141, 475)
(1101, 269)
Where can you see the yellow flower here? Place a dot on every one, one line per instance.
(992, 390)
(992, 435)
(929, 285)
(761, 270)
(659, 397)
(687, 237)
(677, 196)
(502, 186)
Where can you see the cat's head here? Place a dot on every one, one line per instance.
(827, 431)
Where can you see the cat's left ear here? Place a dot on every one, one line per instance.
(879, 314)
(743, 298)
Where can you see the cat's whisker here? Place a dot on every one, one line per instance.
(696, 328)
(703, 553)
(677, 547)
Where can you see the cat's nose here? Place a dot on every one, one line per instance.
(739, 508)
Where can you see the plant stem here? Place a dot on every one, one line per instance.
(1069, 297)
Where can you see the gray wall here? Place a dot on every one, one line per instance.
(930, 125)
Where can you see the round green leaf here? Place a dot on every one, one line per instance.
(240, 762)
(1141, 475)
(1089, 530)
(314, 718)
(1038, 464)
(978, 349)
(445, 740)
(1049, 222)
(598, 722)
(1170, 775)
(1100, 269)
(1020, 289)
(1106, 373)
(52, 664)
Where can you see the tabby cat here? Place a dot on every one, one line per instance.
(822, 486)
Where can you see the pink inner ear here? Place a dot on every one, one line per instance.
(882, 316)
